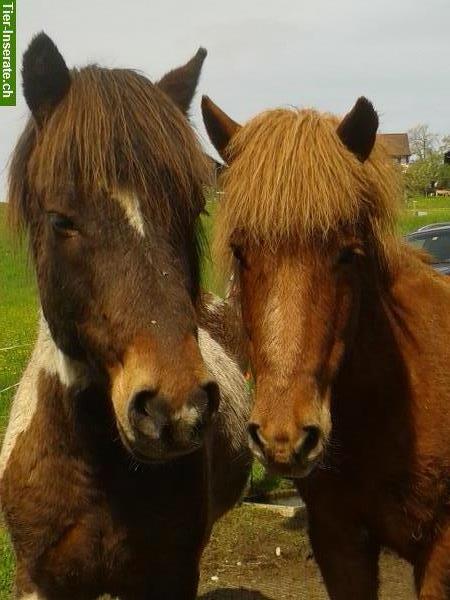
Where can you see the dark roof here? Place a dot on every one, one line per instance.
(396, 144)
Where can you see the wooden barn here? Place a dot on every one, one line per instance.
(397, 146)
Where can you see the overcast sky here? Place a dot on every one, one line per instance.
(262, 53)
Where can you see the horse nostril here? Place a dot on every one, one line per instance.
(253, 431)
(141, 404)
(310, 441)
(213, 394)
(148, 414)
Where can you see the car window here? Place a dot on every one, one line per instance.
(417, 242)
(437, 244)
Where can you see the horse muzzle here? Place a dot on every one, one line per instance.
(156, 432)
(284, 456)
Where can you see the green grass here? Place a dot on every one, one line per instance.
(422, 203)
(211, 280)
(18, 314)
(436, 209)
(18, 318)
(410, 221)
(6, 566)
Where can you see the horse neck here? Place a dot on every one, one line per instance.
(372, 385)
(393, 382)
(73, 397)
(222, 319)
(43, 398)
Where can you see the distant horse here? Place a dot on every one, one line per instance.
(349, 335)
(127, 437)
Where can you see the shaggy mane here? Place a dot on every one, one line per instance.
(292, 179)
(114, 130)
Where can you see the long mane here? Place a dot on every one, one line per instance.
(291, 179)
(113, 130)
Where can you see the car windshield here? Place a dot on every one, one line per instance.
(435, 243)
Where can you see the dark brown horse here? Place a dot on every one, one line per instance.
(349, 335)
(127, 438)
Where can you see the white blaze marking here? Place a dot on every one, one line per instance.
(284, 324)
(130, 204)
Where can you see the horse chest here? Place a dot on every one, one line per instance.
(112, 543)
(99, 524)
(393, 504)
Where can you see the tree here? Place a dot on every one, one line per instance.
(445, 143)
(428, 170)
(422, 141)
(422, 173)
(444, 177)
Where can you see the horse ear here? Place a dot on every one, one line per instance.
(219, 125)
(358, 129)
(46, 78)
(180, 84)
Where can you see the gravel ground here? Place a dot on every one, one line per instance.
(256, 554)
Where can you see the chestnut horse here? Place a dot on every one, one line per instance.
(349, 335)
(127, 436)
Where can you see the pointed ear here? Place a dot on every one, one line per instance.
(180, 84)
(46, 78)
(219, 125)
(358, 129)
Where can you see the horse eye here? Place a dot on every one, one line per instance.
(61, 223)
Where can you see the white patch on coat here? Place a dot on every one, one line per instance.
(184, 420)
(322, 417)
(70, 372)
(46, 357)
(188, 415)
(130, 204)
(234, 408)
(214, 305)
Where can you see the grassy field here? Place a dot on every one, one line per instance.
(436, 210)
(18, 313)
(18, 317)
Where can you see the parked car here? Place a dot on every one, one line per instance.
(434, 239)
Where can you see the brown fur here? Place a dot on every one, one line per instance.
(297, 160)
(84, 520)
(349, 333)
(121, 143)
(117, 459)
